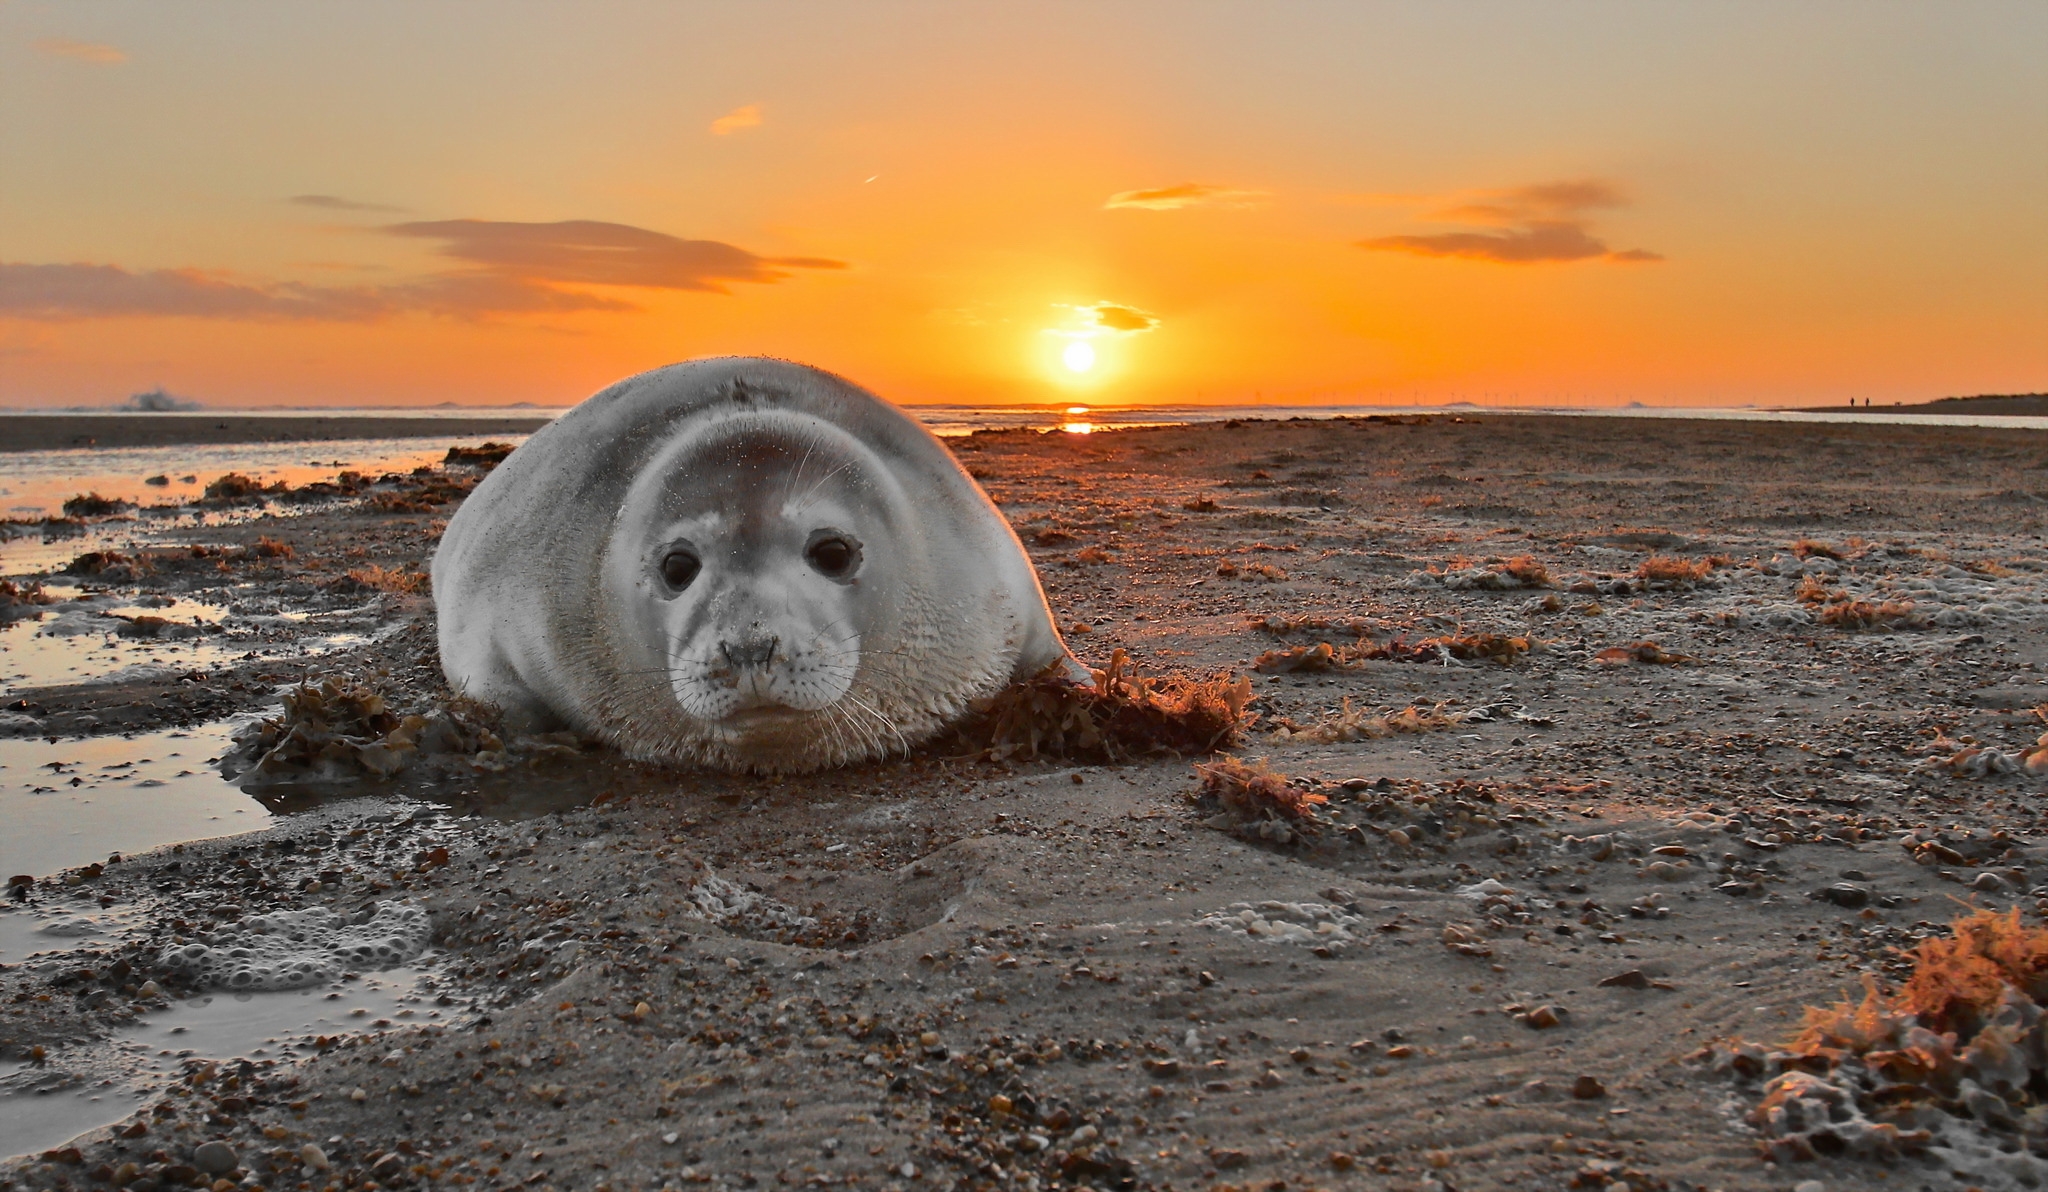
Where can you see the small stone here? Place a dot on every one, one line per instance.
(1342, 1161)
(670, 1138)
(358, 1095)
(150, 989)
(1632, 979)
(928, 1039)
(313, 1157)
(1988, 883)
(999, 1105)
(642, 1010)
(1588, 1088)
(214, 1158)
(1809, 1186)
(1849, 895)
(1226, 1160)
(1542, 1018)
(1163, 1067)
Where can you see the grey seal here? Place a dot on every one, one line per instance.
(739, 562)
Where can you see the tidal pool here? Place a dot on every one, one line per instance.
(72, 802)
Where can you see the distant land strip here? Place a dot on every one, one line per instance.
(56, 432)
(2014, 405)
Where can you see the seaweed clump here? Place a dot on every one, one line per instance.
(1358, 724)
(1119, 716)
(339, 732)
(22, 602)
(1254, 792)
(483, 457)
(94, 505)
(1957, 1058)
(1451, 647)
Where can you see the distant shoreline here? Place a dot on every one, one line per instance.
(58, 432)
(2007, 405)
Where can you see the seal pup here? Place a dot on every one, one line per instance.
(740, 562)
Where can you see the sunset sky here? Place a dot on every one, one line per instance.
(1535, 203)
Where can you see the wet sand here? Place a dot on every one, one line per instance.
(945, 972)
(52, 432)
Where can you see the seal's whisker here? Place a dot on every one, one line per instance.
(804, 502)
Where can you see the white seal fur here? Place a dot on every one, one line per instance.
(740, 562)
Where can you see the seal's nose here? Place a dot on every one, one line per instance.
(753, 652)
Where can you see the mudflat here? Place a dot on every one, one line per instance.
(1617, 728)
(55, 432)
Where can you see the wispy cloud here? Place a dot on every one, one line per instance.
(737, 120)
(1104, 318)
(337, 203)
(1185, 195)
(513, 268)
(109, 291)
(590, 252)
(82, 51)
(1526, 225)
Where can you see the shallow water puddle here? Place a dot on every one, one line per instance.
(95, 637)
(74, 802)
(27, 932)
(86, 636)
(84, 1088)
(39, 482)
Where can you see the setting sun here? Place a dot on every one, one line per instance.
(1080, 356)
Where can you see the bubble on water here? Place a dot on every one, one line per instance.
(294, 949)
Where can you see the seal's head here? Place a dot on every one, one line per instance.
(755, 558)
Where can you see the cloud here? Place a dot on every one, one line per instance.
(1104, 318)
(737, 120)
(1187, 194)
(1124, 319)
(513, 268)
(1546, 222)
(590, 252)
(82, 51)
(337, 203)
(109, 291)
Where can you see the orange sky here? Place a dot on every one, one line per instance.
(1584, 203)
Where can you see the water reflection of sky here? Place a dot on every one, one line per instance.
(97, 1084)
(75, 801)
(37, 483)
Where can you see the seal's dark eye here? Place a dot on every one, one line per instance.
(834, 557)
(678, 568)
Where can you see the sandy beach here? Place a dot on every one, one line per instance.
(1620, 729)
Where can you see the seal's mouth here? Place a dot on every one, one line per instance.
(764, 716)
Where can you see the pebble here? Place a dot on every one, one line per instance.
(358, 1095)
(214, 1158)
(1588, 1088)
(1542, 1018)
(1849, 895)
(313, 1157)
